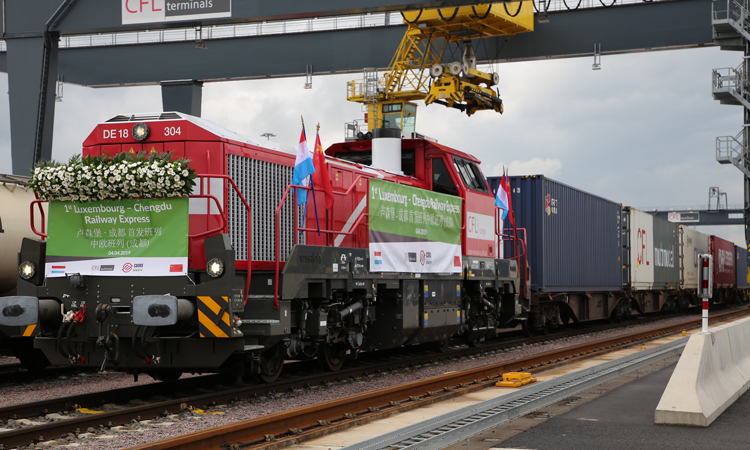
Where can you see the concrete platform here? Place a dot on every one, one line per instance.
(623, 419)
(618, 414)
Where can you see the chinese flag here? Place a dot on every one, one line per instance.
(320, 177)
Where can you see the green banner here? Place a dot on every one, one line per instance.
(413, 230)
(146, 237)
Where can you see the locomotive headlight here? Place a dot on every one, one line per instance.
(215, 267)
(27, 269)
(140, 131)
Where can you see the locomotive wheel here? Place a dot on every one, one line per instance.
(331, 358)
(527, 329)
(31, 358)
(270, 368)
(443, 346)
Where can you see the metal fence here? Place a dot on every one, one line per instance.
(684, 208)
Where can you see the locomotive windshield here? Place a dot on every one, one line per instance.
(470, 174)
(441, 178)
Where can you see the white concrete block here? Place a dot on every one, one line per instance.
(713, 372)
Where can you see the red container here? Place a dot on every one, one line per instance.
(724, 258)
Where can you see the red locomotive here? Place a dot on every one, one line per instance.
(407, 254)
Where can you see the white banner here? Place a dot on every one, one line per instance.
(122, 267)
(415, 257)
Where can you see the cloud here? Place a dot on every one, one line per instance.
(549, 167)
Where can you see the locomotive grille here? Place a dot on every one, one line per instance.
(262, 184)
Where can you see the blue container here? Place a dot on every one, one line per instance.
(740, 269)
(573, 237)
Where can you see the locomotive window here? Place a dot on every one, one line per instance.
(470, 174)
(441, 178)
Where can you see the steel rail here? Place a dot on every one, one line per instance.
(299, 424)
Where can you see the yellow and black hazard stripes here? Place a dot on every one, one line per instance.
(213, 317)
(29, 331)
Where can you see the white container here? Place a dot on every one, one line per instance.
(638, 227)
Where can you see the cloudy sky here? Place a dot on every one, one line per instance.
(641, 131)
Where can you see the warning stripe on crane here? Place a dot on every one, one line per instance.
(213, 317)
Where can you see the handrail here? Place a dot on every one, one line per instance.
(525, 279)
(345, 233)
(513, 237)
(225, 219)
(38, 202)
(276, 227)
(297, 228)
(521, 240)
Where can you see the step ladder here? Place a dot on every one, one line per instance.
(729, 85)
(731, 150)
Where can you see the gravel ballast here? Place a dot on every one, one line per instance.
(191, 421)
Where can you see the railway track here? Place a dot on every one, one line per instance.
(414, 396)
(286, 428)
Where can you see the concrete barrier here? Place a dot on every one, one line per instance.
(713, 372)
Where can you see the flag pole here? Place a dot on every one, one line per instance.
(304, 211)
(312, 185)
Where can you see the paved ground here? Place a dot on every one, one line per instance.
(618, 419)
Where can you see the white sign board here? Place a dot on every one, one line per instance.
(154, 11)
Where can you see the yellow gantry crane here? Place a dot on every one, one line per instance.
(418, 70)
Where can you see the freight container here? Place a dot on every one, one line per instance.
(723, 253)
(740, 268)
(650, 251)
(693, 244)
(573, 237)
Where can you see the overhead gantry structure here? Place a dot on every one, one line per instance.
(40, 39)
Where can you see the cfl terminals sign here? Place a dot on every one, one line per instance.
(155, 11)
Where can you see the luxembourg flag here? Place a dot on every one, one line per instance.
(303, 168)
(501, 199)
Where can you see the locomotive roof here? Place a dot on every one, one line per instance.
(217, 130)
(366, 146)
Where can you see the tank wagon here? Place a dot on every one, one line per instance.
(16, 200)
(240, 279)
